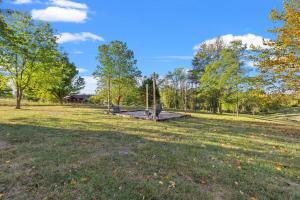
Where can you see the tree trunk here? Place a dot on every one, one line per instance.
(119, 100)
(19, 97)
(214, 106)
(61, 100)
(119, 95)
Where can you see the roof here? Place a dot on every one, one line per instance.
(78, 96)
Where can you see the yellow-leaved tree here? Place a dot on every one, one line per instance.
(280, 63)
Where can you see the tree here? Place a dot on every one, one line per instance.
(117, 70)
(174, 90)
(24, 50)
(279, 64)
(3, 25)
(205, 56)
(222, 76)
(105, 71)
(234, 75)
(5, 90)
(67, 80)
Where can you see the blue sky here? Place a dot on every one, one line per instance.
(162, 33)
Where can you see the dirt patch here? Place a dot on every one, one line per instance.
(4, 145)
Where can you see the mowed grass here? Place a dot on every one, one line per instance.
(78, 152)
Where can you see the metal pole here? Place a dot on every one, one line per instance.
(147, 97)
(154, 98)
(109, 94)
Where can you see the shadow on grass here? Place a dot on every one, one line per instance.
(73, 163)
(259, 137)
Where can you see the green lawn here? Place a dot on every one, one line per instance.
(77, 152)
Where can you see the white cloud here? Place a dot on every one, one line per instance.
(82, 70)
(69, 4)
(78, 37)
(22, 1)
(90, 85)
(78, 52)
(58, 14)
(248, 39)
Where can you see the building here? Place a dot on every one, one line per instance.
(77, 98)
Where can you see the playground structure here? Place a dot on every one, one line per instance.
(140, 114)
(155, 114)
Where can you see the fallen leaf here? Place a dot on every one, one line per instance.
(160, 182)
(203, 182)
(73, 182)
(147, 178)
(278, 166)
(84, 179)
(172, 184)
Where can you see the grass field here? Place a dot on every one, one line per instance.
(77, 152)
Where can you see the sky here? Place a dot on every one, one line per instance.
(164, 34)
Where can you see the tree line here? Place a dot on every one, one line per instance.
(31, 62)
(219, 79)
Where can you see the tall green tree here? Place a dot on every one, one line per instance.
(234, 76)
(23, 52)
(67, 80)
(117, 70)
(105, 72)
(206, 54)
(223, 75)
(203, 69)
(60, 81)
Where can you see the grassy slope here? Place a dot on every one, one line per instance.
(55, 152)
